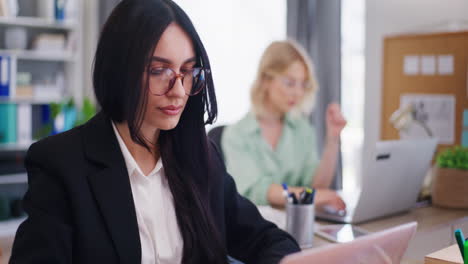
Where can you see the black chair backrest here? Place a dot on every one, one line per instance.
(215, 134)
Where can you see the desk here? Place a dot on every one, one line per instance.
(435, 228)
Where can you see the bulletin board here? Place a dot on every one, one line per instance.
(432, 66)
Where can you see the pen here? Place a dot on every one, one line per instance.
(285, 190)
(286, 193)
(465, 258)
(460, 241)
(293, 198)
(311, 196)
(307, 196)
(303, 197)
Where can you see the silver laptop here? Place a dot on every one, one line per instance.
(391, 181)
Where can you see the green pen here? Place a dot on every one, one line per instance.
(460, 241)
(465, 258)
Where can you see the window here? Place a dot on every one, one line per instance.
(352, 89)
(235, 34)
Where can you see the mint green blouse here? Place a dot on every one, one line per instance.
(255, 165)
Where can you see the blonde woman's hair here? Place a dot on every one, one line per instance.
(276, 59)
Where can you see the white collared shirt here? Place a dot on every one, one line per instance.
(160, 237)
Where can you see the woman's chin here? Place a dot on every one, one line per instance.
(166, 123)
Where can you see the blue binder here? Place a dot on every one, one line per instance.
(5, 76)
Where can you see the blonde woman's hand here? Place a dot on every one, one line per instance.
(335, 122)
(327, 197)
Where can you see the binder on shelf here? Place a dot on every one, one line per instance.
(4, 10)
(24, 123)
(59, 10)
(12, 162)
(41, 121)
(9, 8)
(7, 123)
(12, 72)
(7, 76)
(13, 7)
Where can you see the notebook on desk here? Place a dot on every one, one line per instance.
(391, 181)
(450, 255)
(386, 246)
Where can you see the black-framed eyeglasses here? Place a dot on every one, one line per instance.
(163, 80)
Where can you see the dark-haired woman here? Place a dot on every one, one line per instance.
(140, 183)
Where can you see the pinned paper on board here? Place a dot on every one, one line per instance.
(464, 135)
(464, 141)
(445, 64)
(428, 65)
(436, 112)
(466, 81)
(411, 65)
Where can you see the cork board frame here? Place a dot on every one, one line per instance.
(397, 83)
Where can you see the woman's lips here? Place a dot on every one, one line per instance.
(171, 110)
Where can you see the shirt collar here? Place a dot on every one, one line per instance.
(129, 160)
(250, 122)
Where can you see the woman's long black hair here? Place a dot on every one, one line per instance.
(125, 46)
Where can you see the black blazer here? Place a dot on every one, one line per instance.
(80, 206)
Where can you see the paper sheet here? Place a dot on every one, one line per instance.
(445, 64)
(428, 65)
(464, 138)
(465, 118)
(436, 111)
(411, 65)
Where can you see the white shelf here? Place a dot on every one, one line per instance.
(39, 55)
(14, 100)
(15, 146)
(13, 178)
(8, 227)
(37, 22)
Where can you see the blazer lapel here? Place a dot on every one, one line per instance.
(111, 186)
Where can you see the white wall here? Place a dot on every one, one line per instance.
(90, 36)
(235, 34)
(385, 17)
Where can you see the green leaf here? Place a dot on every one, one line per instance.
(71, 103)
(455, 158)
(55, 109)
(87, 112)
(43, 132)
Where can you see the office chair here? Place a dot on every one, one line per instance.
(215, 134)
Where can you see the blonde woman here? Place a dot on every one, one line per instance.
(275, 142)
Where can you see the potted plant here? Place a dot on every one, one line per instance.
(64, 116)
(450, 187)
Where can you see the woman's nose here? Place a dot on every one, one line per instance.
(177, 88)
